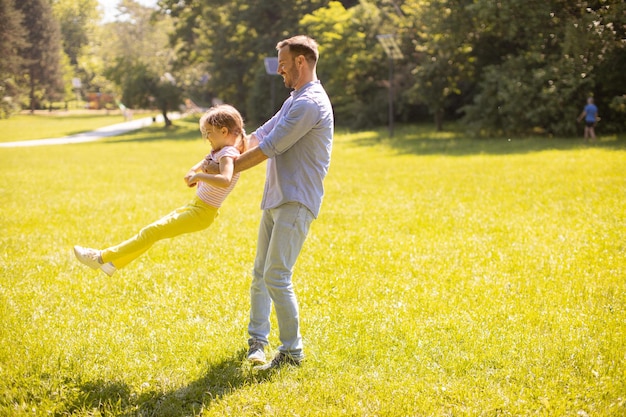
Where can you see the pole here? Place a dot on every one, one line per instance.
(390, 97)
(272, 95)
(393, 52)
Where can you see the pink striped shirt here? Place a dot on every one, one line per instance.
(215, 196)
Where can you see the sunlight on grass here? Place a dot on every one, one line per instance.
(42, 126)
(444, 276)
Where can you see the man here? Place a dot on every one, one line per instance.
(590, 114)
(297, 143)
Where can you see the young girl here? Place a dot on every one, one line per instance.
(222, 126)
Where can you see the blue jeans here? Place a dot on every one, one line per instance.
(282, 233)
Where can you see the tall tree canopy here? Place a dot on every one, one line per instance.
(516, 66)
(137, 58)
(506, 66)
(42, 53)
(77, 20)
(12, 40)
(229, 40)
(539, 60)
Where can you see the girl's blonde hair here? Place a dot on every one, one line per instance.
(227, 116)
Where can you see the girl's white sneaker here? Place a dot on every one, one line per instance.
(88, 256)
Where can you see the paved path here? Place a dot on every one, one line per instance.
(103, 132)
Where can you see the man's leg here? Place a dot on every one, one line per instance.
(260, 302)
(291, 224)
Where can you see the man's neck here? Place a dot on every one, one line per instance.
(305, 79)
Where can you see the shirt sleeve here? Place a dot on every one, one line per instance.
(266, 128)
(298, 121)
(229, 151)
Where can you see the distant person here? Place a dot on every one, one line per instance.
(296, 142)
(590, 114)
(222, 126)
(128, 115)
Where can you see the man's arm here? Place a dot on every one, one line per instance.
(250, 158)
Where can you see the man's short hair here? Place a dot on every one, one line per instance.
(301, 45)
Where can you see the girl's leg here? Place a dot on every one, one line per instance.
(193, 217)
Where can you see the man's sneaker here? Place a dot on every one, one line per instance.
(256, 352)
(281, 359)
(108, 268)
(88, 256)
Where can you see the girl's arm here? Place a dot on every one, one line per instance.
(192, 171)
(214, 168)
(223, 179)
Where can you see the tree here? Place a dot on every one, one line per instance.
(352, 64)
(139, 60)
(443, 63)
(77, 20)
(539, 61)
(608, 22)
(229, 40)
(42, 70)
(12, 39)
(506, 66)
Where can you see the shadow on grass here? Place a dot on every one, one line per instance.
(220, 379)
(424, 140)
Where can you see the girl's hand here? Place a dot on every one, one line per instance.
(190, 179)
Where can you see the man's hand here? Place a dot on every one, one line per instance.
(210, 167)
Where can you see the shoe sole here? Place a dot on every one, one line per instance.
(257, 361)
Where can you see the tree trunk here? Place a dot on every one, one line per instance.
(439, 120)
(168, 122)
(32, 95)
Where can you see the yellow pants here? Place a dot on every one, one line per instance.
(195, 216)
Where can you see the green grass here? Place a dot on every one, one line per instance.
(444, 277)
(43, 125)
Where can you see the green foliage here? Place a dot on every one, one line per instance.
(42, 52)
(13, 37)
(507, 66)
(348, 57)
(524, 94)
(138, 61)
(538, 64)
(77, 19)
(487, 281)
(444, 49)
(230, 40)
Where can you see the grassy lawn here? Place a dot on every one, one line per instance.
(44, 125)
(444, 277)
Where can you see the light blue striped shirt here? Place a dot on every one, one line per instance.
(298, 143)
